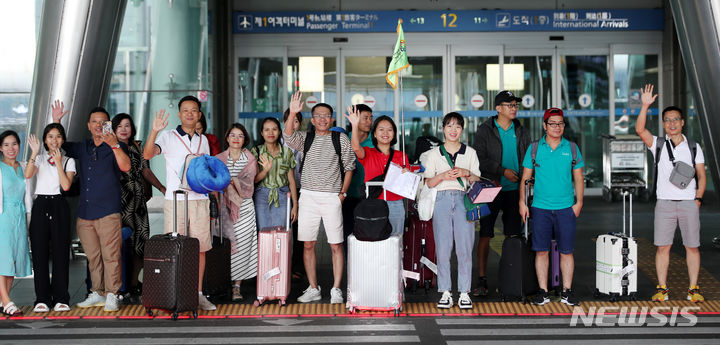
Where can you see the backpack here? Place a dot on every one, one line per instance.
(425, 143)
(372, 215)
(534, 147)
(658, 149)
(336, 144)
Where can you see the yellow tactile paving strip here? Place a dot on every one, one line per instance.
(410, 309)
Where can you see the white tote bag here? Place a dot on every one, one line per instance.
(426, 202)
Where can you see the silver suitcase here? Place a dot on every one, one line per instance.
(616, 262)
(374, 271)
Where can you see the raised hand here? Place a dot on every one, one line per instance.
(110, 138)
(265, 162)
(646, 95)
(160, 121)
(56, 155)
(57, 110)
(353, 116)
(295, 102)
(34, 144)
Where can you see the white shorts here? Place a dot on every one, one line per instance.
(316, 206)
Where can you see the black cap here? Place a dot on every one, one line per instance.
(506, 96)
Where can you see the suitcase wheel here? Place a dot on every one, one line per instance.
(281, 302)
(256, 303)
(597, 294)
(174, 316)
(632, 296)
(149, 311)
(427, 286)
(613, 297)
(351, 310)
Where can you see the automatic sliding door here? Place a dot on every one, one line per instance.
(422, 99)
(316, 78)
(259, 91)
(475, 76)
(585, 99)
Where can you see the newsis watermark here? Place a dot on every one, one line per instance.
(634, 316)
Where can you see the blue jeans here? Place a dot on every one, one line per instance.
(269, 215)
(397, 217)
(449, 223)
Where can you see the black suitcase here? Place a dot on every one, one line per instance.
(171, 270)
(516, 272)
(216, 280)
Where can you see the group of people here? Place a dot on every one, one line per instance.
(318, 174)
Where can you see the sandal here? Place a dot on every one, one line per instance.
(11, 309)
(41, 308)
(61, 307)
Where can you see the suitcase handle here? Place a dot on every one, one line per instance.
(287, 215)
(187, 229)
(528, 183)
(625, 218)
(369, 184)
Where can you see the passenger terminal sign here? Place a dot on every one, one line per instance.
(448, 21)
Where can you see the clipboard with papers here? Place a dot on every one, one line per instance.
(401, 183)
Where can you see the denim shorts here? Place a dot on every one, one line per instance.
(549, 224)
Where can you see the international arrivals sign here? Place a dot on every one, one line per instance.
(448, 21)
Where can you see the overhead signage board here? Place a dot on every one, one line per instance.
(448, 21)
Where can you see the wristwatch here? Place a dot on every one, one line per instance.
(343, 194)
(116, 146)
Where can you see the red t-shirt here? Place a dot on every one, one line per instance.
(374, 164)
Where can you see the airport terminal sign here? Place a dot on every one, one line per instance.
(448, 21)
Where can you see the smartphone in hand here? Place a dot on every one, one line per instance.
(107, 127)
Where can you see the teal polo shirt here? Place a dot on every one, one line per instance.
(509, 154)
(358, 178)
(553, 177)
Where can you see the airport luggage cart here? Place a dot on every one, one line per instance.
(625, 167)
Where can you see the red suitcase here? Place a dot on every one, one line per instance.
(419, 242)
(274, 259)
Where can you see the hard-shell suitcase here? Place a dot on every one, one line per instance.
(516, 271)
(615, 266)
(274, 260)
(419, 243)
(171, 270)
(374, 275)
(216, 280)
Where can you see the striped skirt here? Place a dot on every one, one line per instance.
(244, 261)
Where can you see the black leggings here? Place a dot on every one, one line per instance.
(50, 238)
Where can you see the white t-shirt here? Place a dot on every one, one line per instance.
(172, 147)
(682, 153)
(48, 180)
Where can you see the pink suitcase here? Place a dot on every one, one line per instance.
(275, 253)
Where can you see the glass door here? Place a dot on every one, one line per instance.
(584, 96)
(530, 78)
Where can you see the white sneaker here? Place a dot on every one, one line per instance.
(203, 302)
(336, 296)
(464, 302)
(92, 300)
(111, 302)
(311, 294)
(61, 307)
(446, 301)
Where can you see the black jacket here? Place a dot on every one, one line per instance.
(488, 146)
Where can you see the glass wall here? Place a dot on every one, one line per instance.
(20, 24)
(585, 99)
(316, 78)
(474, 75)
(632, 72)
(422, 99)
(259, 91)
(163, 55)
(530, 77)
(365, 83)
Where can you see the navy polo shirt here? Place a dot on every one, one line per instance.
(99, 176)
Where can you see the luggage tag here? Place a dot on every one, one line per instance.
(271, 273)
(429, 264)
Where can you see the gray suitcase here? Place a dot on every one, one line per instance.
(374, 271)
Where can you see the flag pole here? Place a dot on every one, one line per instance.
(402, 120)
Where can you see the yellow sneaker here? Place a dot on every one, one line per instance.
(695, 295)
(661, 294)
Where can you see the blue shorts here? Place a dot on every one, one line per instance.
(547, 224)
